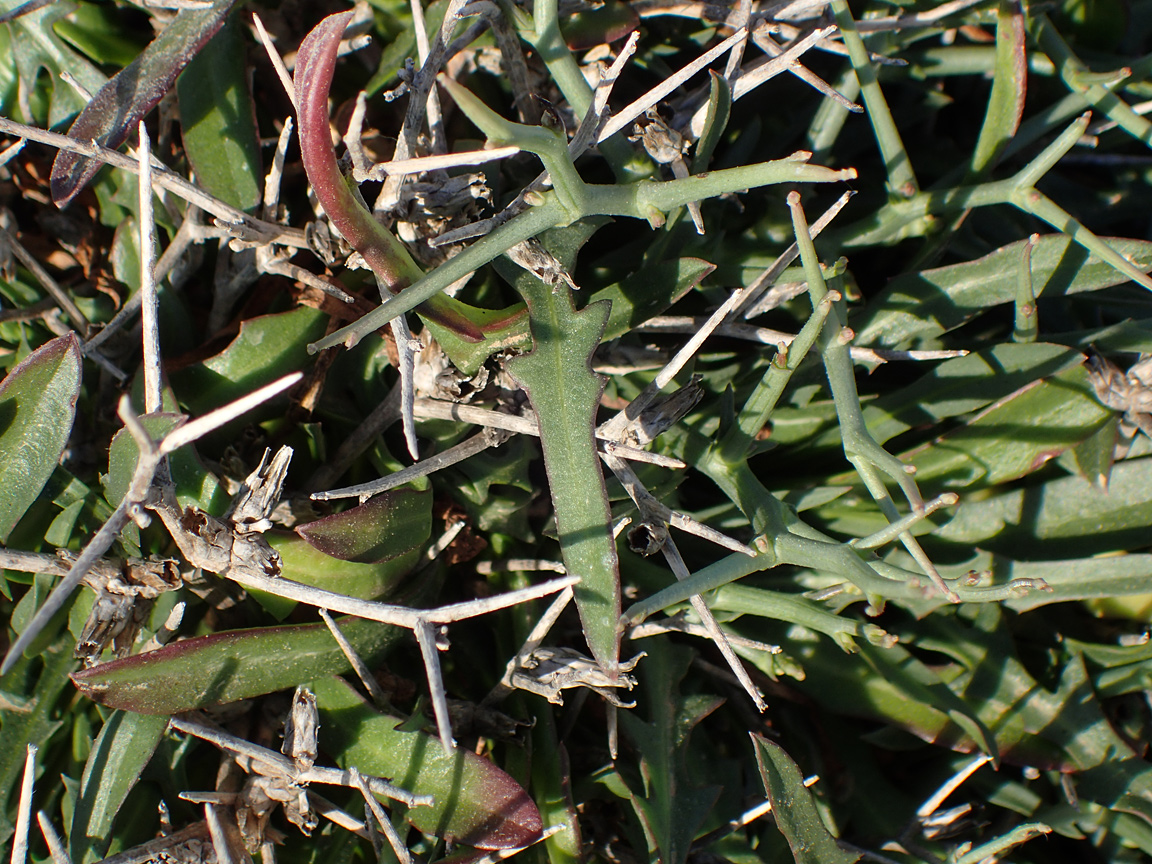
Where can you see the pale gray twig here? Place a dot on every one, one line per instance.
(653, 512)
(150, 301)
(662, 90)
(439, 162)
(226, 840)
(358, 665)
(616, 427)
(277, 764)
(277, 61)
(398, 847)
(54, 841)
(738, 20)
(534, 640)
(24, 809)
(768, 336)
(436, 409)
(276, 171)
(9, 152)
(45, 279)
(478, 443)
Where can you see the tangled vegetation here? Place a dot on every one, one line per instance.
(631, 430)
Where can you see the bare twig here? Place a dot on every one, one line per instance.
(616, 427)
(150, 308)
(402, 853)
(244, 226)
(435, 409)
(24, 811)
(656, 94)
(768, 336)
(277, 61)
(478, 443)
(358, 665)
(271, 763)
(49, 284)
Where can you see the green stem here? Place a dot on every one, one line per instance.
(901, 178)
(546, 38)
(1091, 87)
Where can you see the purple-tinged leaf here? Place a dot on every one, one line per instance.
(225, 667)
(37, 407)
(116, 108)
(382, 528)
(384, 254)
(475, 802)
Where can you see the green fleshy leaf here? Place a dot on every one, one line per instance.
(384, 527)
(305, 564)
(37, 407)
(1066, 517)
(225, 667)
(1009, 87)
(1014, 437)
(266, 348)
(474, 801)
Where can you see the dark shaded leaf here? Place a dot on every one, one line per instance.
(795, 811)
(672, 805)
(608, 22)
(122, 750)
(218, 121)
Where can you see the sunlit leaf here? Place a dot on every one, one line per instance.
(37, 406)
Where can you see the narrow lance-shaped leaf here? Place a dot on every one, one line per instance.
(37, 407)
(112, 114)
(224, 667)
(122, 750)
(565, 393)
(1009, 87)
(795, 811)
